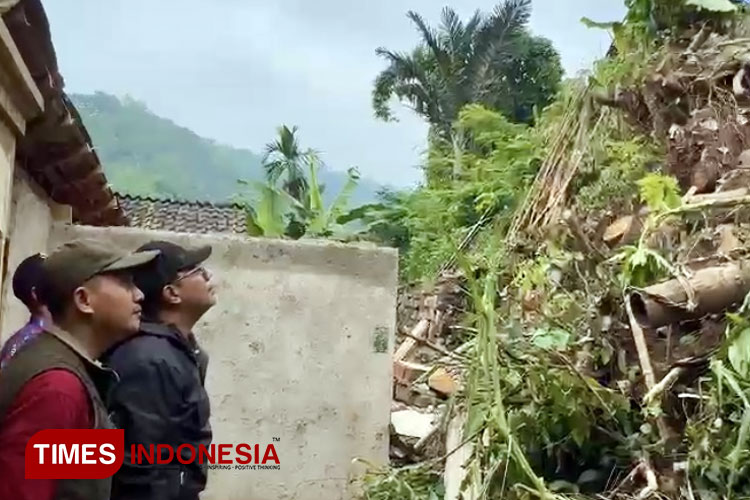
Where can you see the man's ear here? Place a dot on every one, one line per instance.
(82, 300)
(170, 295)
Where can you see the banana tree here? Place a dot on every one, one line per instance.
(273, 213)
(323, 221)
(266, 208)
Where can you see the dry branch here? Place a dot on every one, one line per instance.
(433, 346)
(659, 389)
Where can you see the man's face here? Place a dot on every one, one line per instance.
(195, 289)
(114, 304)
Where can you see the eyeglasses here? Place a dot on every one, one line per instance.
(196, 270)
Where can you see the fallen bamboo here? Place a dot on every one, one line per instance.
(641, 347)
(732, 194)
(646, 367)
(710, 290)
(725, 202)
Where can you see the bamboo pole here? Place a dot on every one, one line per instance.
(710, 290)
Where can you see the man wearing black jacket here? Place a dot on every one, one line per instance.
(160, 398)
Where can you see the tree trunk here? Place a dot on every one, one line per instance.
(713, 290)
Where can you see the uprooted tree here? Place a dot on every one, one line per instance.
(601, 344)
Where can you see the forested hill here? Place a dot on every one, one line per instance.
(146, 154)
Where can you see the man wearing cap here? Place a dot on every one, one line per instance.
(160, 398)
(54, 382)
(26, 282)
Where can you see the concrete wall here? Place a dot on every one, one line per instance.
(300, 348)
(29, 228)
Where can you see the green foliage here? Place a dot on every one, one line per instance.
(659, 192)
(267, 215)
(609, 179)
(385, 221)
(273, 213)
(646, 23)
(490, 59)
(285, 158)
(641, 266)
(408, 483)
(719, 435)
(465, 187)
(144, 154)
(322, 221)
(492, 175)
(532, 415)
(551, 338)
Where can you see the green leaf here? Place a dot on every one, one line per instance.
(253, 229)
(315, 193)
(660, 192)
(579, 430)
(360, 212)
(589, 23)
(270, 210)
(553, 338)
(323, 221)
(739, 353)
(713, 5)
(342, 199)
(476, 419)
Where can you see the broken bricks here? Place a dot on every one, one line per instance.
(442, 382)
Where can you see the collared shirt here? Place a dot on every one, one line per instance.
(27, 333)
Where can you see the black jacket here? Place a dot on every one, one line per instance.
(160, 399)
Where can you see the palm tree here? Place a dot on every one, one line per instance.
(462, 63)
(285, 158)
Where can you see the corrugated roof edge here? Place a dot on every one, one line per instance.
(176, 201)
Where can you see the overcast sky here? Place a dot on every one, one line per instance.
(233, 70)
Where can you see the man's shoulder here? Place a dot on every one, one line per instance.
(57, 382)
(142, 350)
(57, 395)
(142, 345)
(20, 337)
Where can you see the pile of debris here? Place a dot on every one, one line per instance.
(643, 299)
(427, 367)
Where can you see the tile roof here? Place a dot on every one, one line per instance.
(183, 216)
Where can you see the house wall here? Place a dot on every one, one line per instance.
(29, 227)
(7, 158)
(20, 101)
(300, 346)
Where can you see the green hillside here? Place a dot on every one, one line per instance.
(146, 154)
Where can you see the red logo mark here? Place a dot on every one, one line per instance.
(74, 453)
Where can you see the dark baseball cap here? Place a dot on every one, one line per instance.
(76, 262)
(167, 265)
(27, 277)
